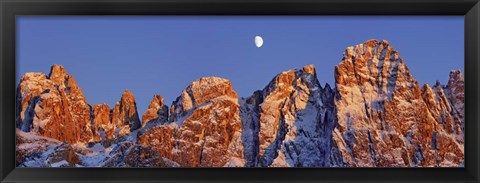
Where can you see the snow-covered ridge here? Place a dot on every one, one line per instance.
(377, 115)
(386, 119)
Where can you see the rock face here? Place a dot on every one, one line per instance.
(444, 112)
(109, 124)
(157, 111)
(455, 91)
(125, 115)
(127, 154)
(103, 128)
(200, 92)
(53, 106)
(290, 118)
(162, 138)
(384, 118)
(37, 151)
(205, 129)
(63, 156)
(29, 146)
(376, 116)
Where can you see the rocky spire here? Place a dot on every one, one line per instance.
(378, 98)
(377, 115)
(57, 74)
(157, 111)
(456, 92)
(102, 123)
(287, 120)
(125, 115)
(207, 124)
(53, 106)
(199, 92)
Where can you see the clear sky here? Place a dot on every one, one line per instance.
(163, 54)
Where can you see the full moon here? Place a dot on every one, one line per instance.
(258, 41)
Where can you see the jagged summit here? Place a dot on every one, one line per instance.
(376, 115)
(286, 116)
(57, 72)
(456, 75)
(207, 88)
(127, 97)
(157, 111)
(374, 64)
(53, 106)
(455, 91)
(125, 114)
(310, 69)
(377, 95)
(199, 92)
(206, 128)
(209, 80)
(370, 43)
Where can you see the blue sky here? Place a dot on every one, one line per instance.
(163, 54)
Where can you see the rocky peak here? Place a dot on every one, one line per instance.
(456, 87)
(199, 92)
(368, 74)
(373, 62)
(285, 82)
(328, 95)
(290, 112)
(281, 84)
(427, 91)
(57, 74)
(377, 115)
(103, 129)
(328, 88)
(309, 69)
(455, 91)
(376, 96)
(127, 97)
(157, 111)
(455, 76)
(206, 129)
(157, 102)
(53, 106)
(31, 85)
(208, 88)
(125, 115)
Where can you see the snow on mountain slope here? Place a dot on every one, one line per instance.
(377, 115)
(206, 128)
(53, 106)
(288, 123)
(383, 120)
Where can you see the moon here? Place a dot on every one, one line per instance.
(258, 41)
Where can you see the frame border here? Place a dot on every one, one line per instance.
(9, 9)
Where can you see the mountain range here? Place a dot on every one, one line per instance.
(376, 115)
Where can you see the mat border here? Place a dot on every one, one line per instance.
(9, 9)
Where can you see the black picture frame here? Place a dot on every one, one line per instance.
(9, 9)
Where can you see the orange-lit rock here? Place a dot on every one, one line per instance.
(102, 124)
(157, 111)
(384, 118)
(53, 106)
(377, 115)
(125, 115)
(207, 126)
